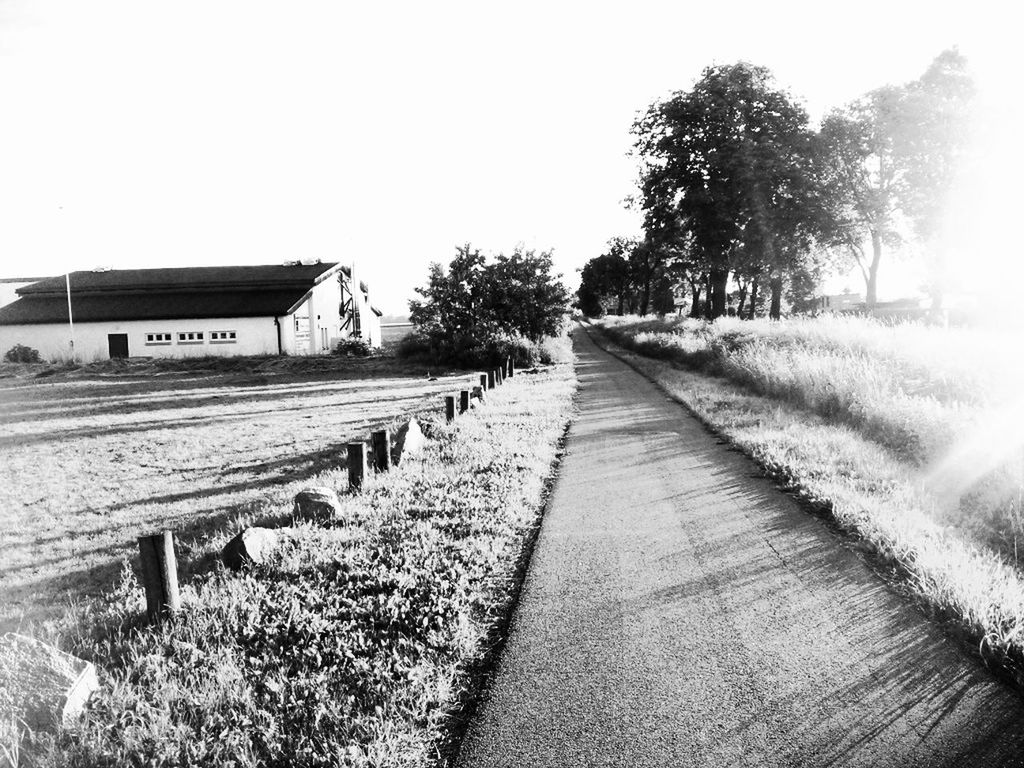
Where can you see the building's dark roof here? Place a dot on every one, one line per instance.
(153, 294)
(21, 279)
(159, 306)
(184, 278)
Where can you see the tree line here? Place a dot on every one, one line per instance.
(737, 188)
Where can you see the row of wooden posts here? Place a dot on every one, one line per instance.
(160, 566)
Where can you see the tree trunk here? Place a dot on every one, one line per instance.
(707, 295)
(776, 287)
(876, 257)
(645, 297)
(719, 280)
(622, 302)
(753, 298)
(695, 286)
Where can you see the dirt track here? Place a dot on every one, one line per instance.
(680, 611)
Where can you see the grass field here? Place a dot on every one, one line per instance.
(91, 459)
(360, 642)
(909, 437)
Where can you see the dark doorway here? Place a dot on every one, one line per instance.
(118, 345)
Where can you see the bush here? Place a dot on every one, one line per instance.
(477, 314)
(19, 353)
(352, 348)
(414, 346)
(466, 351)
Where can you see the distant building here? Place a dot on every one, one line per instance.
(900, 310)
(394, 328)
(839, 302)
(298, 308)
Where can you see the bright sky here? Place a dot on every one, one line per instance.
(142, 134)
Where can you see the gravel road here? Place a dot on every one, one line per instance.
(681, 611)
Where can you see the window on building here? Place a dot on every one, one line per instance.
(158, 338)
(190, 337)
(223, 337)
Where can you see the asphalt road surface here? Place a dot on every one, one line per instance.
(681, 611)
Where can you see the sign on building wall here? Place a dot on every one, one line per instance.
(301, 330)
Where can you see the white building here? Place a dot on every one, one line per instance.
(298, 308)
(838, 302)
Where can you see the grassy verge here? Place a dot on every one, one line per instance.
(867, 490)
(353, 645)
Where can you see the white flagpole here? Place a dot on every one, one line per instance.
(71, 322)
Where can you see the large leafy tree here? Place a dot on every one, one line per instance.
(864, 178)
(524, 295)
(732, 160)
(606, 281)
(935, 149)
(890, 159)
(453, 303)
(473, 304)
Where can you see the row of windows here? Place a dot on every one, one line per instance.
(193, 337)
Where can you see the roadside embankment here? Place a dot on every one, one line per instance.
(874, 493)
(354, 643)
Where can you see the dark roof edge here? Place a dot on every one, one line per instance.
(323, 276)
(295, 307)
(160, 319)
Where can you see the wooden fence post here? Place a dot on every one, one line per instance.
(159, 575)
(510, 363)
(490, 379)
(483, 381)
(449, 407)
(356, 465)
(498, 376)
(463, 400)
(381, 440)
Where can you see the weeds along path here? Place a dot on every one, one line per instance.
(356, 643)
(679, 610)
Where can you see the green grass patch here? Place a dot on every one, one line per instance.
(354, 644)
(832, 462)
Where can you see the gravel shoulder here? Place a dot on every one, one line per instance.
(680, 610)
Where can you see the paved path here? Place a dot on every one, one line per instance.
(680, 611)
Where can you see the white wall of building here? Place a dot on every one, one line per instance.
(315, 328)
(253, 336)
(369, 321)
(323, 307)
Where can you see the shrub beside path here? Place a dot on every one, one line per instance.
(680, 611)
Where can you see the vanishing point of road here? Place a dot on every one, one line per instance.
(681, 611)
